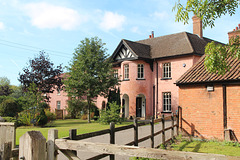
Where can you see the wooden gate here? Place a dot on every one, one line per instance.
(59, 113)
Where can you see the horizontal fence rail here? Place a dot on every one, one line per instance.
(112, 130)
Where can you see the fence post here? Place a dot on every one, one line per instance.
(163, 130)
(72, 136)
(135, 132)
(178, 121)
(8, 133)
(152, 131)
(5, 151)
(112, 137)
(172, 131)
(51, 150)
(32, 146)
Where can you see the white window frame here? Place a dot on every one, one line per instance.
(167, 70)
(126, 71)
(167, 107)
(115, 73)
(140, 71)
(58, 104)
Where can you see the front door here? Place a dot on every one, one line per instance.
(138, 106)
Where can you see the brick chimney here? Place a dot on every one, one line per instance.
(197, 26)
(234, 33)
(152, 36)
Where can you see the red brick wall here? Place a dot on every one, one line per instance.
(233, 109)
(202, 111)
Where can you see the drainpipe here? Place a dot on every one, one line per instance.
(157, 87)
(224, 109)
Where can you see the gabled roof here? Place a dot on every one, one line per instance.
(182, 43)
(199, 74)
(137, 49)
(178, 44)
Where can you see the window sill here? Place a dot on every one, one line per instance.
(166, 78)
(140, 79)
(166, 112)
(126, 80)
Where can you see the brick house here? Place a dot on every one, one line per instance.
(210, 102)
(148, 69)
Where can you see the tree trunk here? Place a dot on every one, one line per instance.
(89, 106)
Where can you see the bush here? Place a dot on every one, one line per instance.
(74, 107)
(42, 118)
(111, 115)
(51, 116)
(9, 107)
(28, 117)
(14, 120)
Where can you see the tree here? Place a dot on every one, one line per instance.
(90, 73)
(209, 11)
(5, 88)
(42, 73)
(4, 81)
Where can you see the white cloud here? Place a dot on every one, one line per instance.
(44, 15)
(2, 26)
(112, 21)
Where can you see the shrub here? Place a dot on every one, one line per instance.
(9, 107)
(74, 107)
(42, 118)
(28, 117)
(51, 116)
(111, 115)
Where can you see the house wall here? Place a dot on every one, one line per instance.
(202, 111)
(233, 109)
(135, 87)
(177, 70)
(62, 98)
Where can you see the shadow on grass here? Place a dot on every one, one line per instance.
(184, 145)
(197, 147)
(65, 124)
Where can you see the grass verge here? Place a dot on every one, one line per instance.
(204, 146)
(63, 127)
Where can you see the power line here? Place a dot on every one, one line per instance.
(22, 46)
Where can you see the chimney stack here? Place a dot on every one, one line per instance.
(234, 33)
(151, 35)
(197, 26)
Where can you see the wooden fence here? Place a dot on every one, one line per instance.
(33, 146)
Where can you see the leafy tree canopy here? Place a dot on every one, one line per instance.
(90, 73)
(4, 81)
(209, 11)
(42, 73)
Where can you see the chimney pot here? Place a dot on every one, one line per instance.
(152, 34)
(233, 29)
(236, 28)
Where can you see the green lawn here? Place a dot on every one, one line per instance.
(63, 127)
(225, 148)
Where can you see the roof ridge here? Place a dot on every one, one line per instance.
(193, 50)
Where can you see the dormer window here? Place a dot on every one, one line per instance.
(126, 72)
(167, 70)
(140, 71)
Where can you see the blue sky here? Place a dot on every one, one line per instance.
(58, 26)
